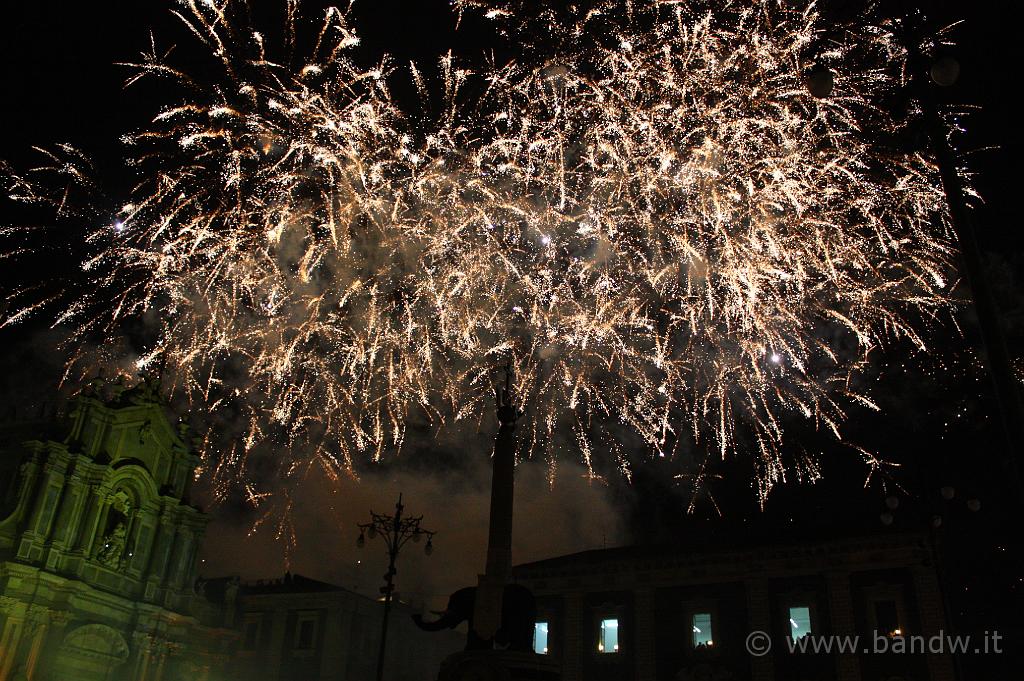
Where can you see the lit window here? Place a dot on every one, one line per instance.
(609, 642)
(702, 629)
(799, 622)
(540, 638)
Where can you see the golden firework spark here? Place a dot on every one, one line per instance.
(655, 223)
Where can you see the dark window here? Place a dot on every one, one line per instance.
(887, 619)
(306, 634)
(252, 632)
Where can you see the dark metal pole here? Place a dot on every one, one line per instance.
(393, 545)
(1000, 368)
(396, 531)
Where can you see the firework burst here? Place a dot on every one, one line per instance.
(648, 216)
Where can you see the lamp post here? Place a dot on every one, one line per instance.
(396, 532)
(929, 73)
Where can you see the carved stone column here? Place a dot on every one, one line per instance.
(10, 637)
(36, 627)
(68, 521)
(58, 623)
(142, 643)
(161, 556)
(161, 660)
(96, 503)
(180, 557)
(27, 474)
(48, 494)
(142, 541)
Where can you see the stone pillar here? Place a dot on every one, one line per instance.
(646, 662)
(10, 636)
(97, 501)
(143, 645)
(341, 655)
(278, 623)
(573, 645)
(187, 559)
(28, 473)
(487, 610)
(68, 521)
(58, 623)
(840, 602)
(174, 557)
(759, 609)
(161, 554)
(48, 496)
(158, 664)
(141, 542)
(333, 657)
(933, 621)
(181, 557)
(35, 632)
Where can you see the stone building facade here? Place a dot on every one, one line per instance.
(685, 614)
(99, 544)
(300, 629)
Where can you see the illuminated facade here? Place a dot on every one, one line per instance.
(98, 547)
(685, 613)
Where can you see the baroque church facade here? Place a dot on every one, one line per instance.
(99, 546)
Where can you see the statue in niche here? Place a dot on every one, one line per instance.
(113, 546)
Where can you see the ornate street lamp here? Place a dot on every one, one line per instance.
(396, 531)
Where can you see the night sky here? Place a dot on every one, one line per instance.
(938, 419)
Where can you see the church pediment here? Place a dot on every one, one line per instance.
(117, 425)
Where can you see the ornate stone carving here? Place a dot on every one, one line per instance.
(147, 391)
(9, 606)
(112, 547)
(96, 641)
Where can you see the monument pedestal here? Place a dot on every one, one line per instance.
(498, 665)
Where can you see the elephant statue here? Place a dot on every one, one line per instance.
(518, 617)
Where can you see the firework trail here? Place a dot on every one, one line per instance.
(648, 215)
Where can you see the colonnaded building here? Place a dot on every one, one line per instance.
(726, 609)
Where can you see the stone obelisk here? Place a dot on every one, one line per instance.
(487, 613)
